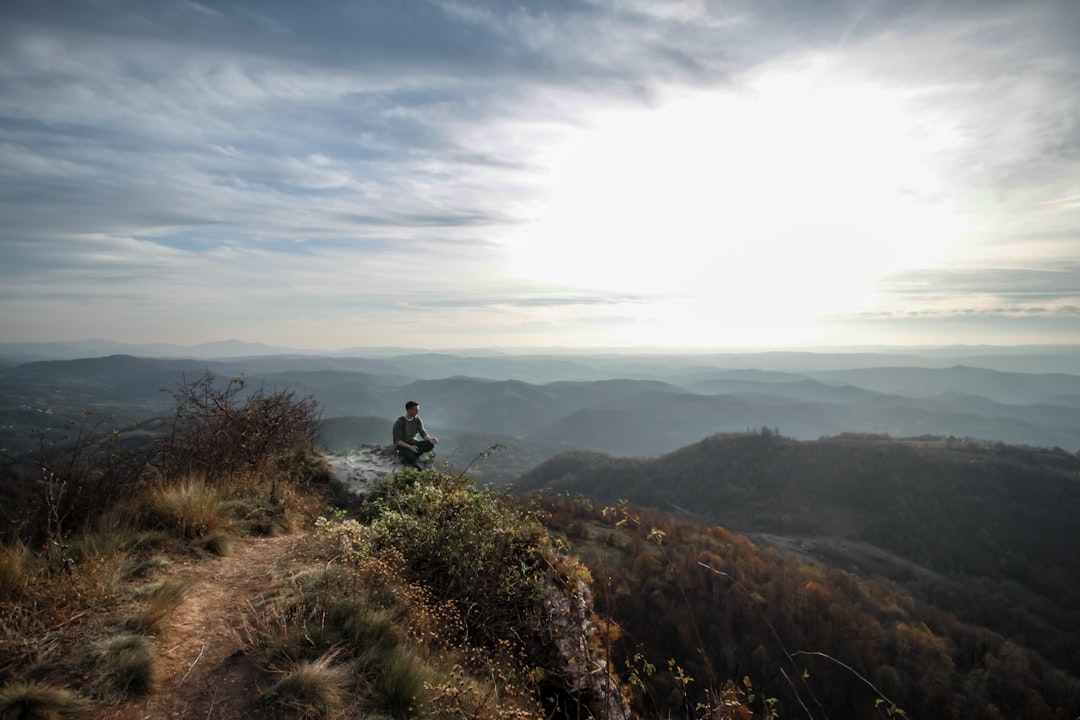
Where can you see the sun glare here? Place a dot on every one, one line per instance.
(786, 200)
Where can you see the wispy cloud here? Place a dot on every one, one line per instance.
(387, 173)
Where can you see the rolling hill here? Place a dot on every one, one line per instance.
(984, 531)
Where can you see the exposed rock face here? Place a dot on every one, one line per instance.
(365, 465)
(585, 674)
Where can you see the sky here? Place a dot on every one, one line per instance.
(541, 174)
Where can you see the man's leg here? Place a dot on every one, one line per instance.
(408, 457)
(425, 446)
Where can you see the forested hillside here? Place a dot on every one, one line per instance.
(697, 604)
(984, 533)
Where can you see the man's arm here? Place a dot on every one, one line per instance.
(424, 433)
(399, 433)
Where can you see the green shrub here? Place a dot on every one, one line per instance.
(477, 550)
(38, 701)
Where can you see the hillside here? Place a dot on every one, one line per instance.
(809, 640)
(681, 609)
(943, 570)
(983, 531)
(322, 618)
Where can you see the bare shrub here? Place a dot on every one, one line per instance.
(223, 430)
(75, 472)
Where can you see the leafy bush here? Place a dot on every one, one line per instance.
(520, 596)
(484, 553)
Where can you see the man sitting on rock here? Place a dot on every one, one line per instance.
(406, 428)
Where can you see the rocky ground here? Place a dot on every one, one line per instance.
(361, 467)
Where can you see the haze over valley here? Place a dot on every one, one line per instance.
(622, 404)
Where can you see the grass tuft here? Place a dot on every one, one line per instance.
(38, 701)
(401, 684)
(189, 508)
(15, 561)
(125, 664)
(148, 566)
(374, 631)
(151, 540)
(159, 603)
(217, 543)
(314, 689)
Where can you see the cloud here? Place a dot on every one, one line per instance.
(315, 162)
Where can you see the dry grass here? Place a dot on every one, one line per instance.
(15, 563)
(97, 565)
(124, 664)
(189, 508)
(350, 634)
(317, 688)
(217, 543)
(38, 701)
(159, 603)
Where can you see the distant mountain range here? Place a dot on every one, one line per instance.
(627, 405)
(630, 362)
(30, 351)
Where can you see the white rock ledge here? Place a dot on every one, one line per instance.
(362, 467)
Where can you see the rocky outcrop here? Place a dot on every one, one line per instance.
(566, 628)
(361, 468)
(584, 672)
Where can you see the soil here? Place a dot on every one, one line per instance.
(204, 671)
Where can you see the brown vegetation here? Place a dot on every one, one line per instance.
(820, 642)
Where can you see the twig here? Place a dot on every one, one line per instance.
(850, 669)
(212, 701)
(797, 697)
(201, 651)
(482, 456)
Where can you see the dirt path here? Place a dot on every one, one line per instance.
(204, 673)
